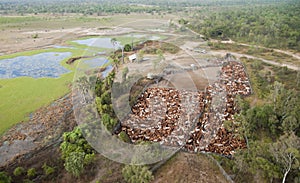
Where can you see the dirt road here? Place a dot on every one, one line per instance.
(295, 55)
(239, 55)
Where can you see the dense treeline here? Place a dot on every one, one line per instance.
(272, 131)
(275, 26)
(117, 6)
(83, 8)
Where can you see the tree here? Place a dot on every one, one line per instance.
(117, 44)
(127, 47)
(19, 171)
(108, 122)
(34, 36)
(31, 172)
(137, 174)
(114, 42)
(286, 107)
(290, 124)
(183, 21)
(124, 137)
(4, 178)
(116, 62)
(287, 153)
(48, 170)
(104, 104)
(257, 159)
(74, 163)
(76, 151)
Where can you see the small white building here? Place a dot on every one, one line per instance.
(132, 58)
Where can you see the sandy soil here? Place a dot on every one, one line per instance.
(185, 167)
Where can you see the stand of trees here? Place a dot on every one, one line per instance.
(273, 25)
(102, 7)
(273, 134)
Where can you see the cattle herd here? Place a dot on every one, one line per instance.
(192, 120)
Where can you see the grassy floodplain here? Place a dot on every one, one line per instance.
(23, 95)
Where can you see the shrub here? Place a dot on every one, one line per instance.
(137, 174)
(4, 178)
(19, 171)
(34, 36)
(48, 169)
(74, 163)
(127, 47)
(124, 137)
(31, 172)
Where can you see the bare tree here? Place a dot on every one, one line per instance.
(287, 153)
(117, 44)
(113, 42)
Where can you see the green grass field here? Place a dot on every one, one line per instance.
(21, 96)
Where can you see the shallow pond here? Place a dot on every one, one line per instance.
(35, 66)
(96, 42)
(145, 36)
(59, 46)
(95, 62)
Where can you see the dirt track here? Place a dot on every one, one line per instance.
(239, 55)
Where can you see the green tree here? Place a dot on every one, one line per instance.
(127, 47)
(124, 137)
(19, 171)
(108, 122)
(75, 144)
(31, 172)
(48, 170)
(257, 159)
(4, 178)
(74, 163)
(116, 62)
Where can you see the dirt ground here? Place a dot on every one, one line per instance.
(186, 167)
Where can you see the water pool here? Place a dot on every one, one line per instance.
(96, 42)
(95, 62)
(35, 66)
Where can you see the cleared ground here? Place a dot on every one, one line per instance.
(185, 167)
